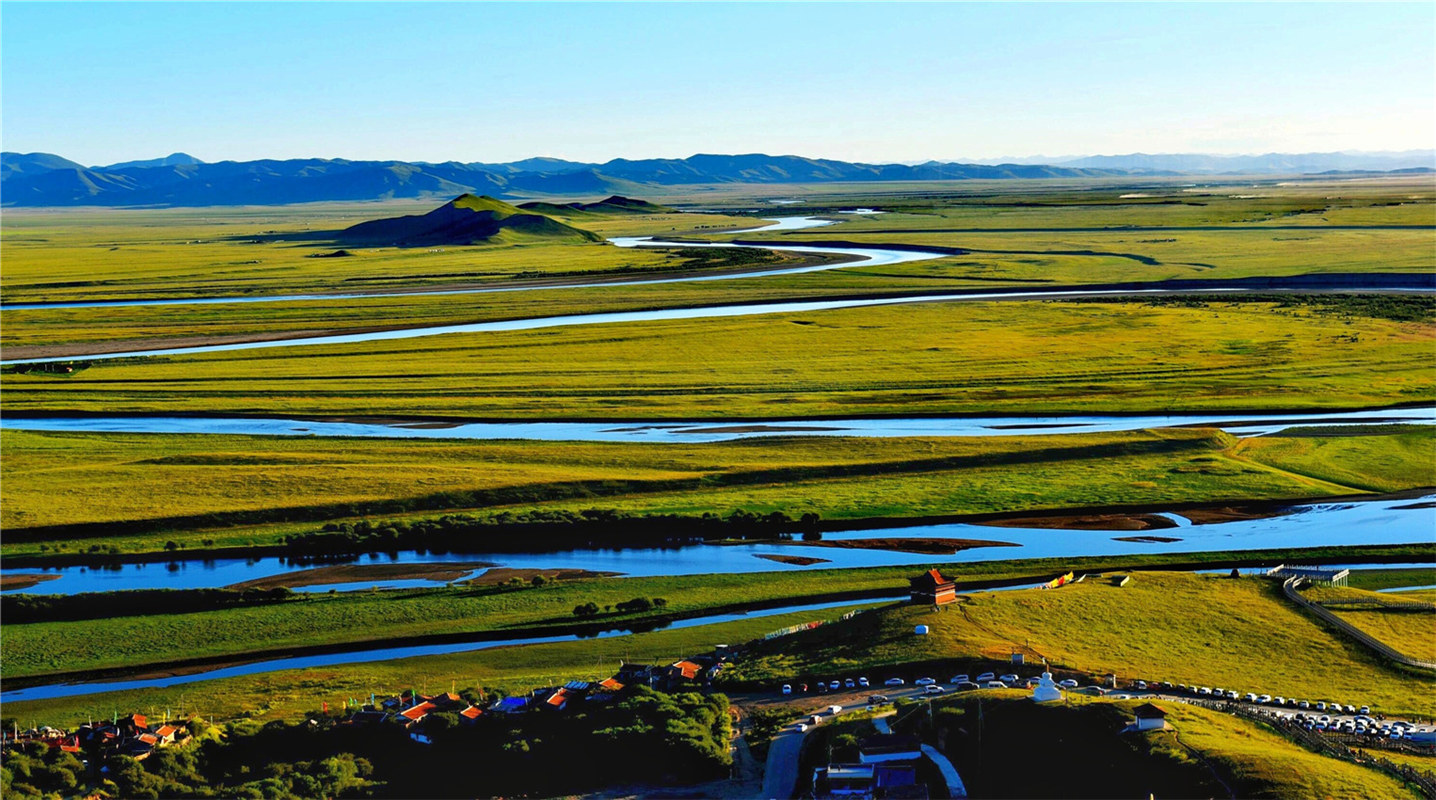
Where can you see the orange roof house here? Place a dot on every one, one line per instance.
(932, 589)
(686, 670)
(415, 713)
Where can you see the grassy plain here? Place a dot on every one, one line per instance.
(1196, 629)
(1376, 579)
(141, 643)
(244, 491)
(938, 358)
(288, 694)
(1203, 753)
(53, 255)
(1029, 234)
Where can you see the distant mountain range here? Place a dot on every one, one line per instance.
(1268, 163)
(43, 179)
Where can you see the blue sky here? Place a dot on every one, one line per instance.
(100, 83)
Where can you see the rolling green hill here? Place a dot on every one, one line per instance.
(467, 219)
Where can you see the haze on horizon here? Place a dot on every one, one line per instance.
(102, 83)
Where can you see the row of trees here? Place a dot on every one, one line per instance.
(550, 529)
(637, 605)
(22, 608)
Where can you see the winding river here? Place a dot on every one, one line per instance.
(50, 691)
(1314, 525)
(861, 256)
(694, 432)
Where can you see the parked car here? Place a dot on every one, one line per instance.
(787, 689)
(961, 678)
(1204, 690)
(1351, 709)
(985, 677)
(863, 682)
(1303, 704)
(1266, 698)
(994, 685)
(835, 709)
(967, 686)
(924, 682)
(1320, 706)
(1232, 694)
(894, 682)
(850, 683)
(1010, 678)
(1069, 683)
(822, 687)
(1365, 709)
(1142, 685)
(1281, 701)
(835, 685)
(1250, 697)
(933, 689)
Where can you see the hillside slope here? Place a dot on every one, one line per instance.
(466, 219)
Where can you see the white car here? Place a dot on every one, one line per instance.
(994, 685)
(1266, 698)
(985, 677)
(924, 682)
(787, 688)
(835, 710)
(863, 682)
(1009, 678)
(1069, 683)
(1365, 710)
(894, 682)
(933, 689)
(1141, 685)
(962, 678)
(801, 727)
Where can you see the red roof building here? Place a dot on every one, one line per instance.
(415, 713)
(686, 670)
(931, 589)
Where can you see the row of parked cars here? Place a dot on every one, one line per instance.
(1361, 725)
(986, 680)
(1266, 699)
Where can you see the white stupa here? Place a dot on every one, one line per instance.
(1046, 690)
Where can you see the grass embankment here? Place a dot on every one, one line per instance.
(1214, 631)
(1082, 752)
(374, 618)
(136, 492)
(941, 358)
(291, 693)
(1392, 620)
(1377, 579)
(144, 643)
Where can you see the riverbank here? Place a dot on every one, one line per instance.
(457, 615)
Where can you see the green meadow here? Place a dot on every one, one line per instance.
(229, 491)
(55, 255)
(938, 358)
(1204, 630)
(1203, 753)
(140, 643)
